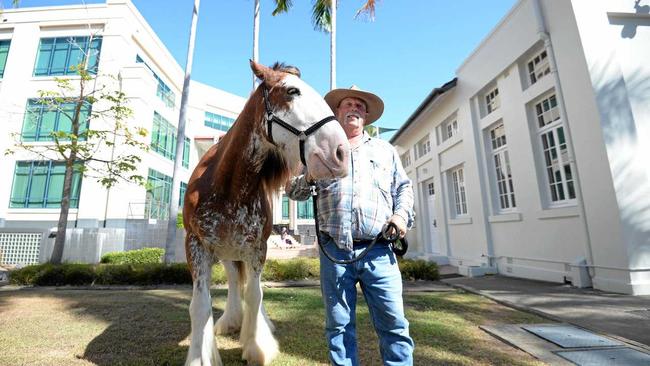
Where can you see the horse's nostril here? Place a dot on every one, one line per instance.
(339, 153)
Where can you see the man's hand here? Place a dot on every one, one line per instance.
(399, 222)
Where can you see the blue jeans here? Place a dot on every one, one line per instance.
(381, 284)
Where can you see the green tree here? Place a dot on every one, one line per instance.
(96, 141)
(324, 19)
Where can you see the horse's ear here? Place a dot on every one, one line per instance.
(260, 70)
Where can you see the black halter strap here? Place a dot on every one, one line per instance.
(302, 135)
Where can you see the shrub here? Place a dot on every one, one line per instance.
(139, 256)
(291, 269)
(418, 270)
(53, 275)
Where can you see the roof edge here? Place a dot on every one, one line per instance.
(435, 93)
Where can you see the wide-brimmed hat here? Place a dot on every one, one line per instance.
(374, 104)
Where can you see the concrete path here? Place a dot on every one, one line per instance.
(623, 317)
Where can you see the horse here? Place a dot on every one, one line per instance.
(283, 128)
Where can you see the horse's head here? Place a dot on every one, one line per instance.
(298, 113)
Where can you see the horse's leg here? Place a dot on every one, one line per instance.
(231, 319)
(203, 350)
(258, 344)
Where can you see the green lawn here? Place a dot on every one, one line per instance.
(44, 326)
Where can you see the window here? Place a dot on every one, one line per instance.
(492, 102)
(39, 184)
(557, 163)
(186, 153)
(4, 51)
(538, 67)
(503, 175)
(406, 159)
(305, 209)
(431, 189)
(285, 207)
(450, 129)
(163, 140)
(181, 198)
(423, 147)
(59, 56)
(42, 119)
(547, 111)
(217, 121)
(159, 192)
(163, 91)
(458, 184)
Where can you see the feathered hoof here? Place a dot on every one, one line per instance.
(257, 355)
(227, 325)
(215, 360)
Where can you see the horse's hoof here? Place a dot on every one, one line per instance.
(255, 355)
(226, 326)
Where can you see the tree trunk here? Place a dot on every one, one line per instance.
(334, 4)
(59, 242)
(170, 244)
(256, 37)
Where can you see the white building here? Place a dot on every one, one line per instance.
(37, 44)
(533, 161)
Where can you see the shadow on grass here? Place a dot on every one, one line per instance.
(151, 327)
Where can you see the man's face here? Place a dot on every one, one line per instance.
(352, 114)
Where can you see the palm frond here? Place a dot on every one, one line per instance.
(367, 8)
(321, 16)
(282, 6)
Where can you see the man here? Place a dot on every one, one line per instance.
(351, 212)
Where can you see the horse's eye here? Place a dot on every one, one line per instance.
(293, 91)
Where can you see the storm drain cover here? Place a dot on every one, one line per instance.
(607, 357)
(567, 336)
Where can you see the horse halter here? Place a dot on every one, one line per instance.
(302, 135)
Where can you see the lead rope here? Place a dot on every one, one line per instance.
(398, 249)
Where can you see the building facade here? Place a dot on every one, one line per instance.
(532, 161)
(39, 44)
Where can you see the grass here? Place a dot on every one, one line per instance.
(44, 326)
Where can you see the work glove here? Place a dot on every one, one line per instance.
(399, 222)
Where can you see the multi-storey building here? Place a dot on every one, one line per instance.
(39, 44)
(533, 161)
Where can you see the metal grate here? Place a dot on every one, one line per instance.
(607, 357)
(567, 336)
(20, 248)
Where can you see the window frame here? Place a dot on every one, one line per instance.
(423, 147)
(5, 47)
(492, 100)
(459, 194)
(538, 67)
(551, 136)
(500, 164)
(44, 65)
(50, 168)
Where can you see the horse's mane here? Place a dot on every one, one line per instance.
(274, 169)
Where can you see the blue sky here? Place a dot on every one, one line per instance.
(412, 46)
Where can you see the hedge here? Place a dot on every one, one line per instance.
(159, 273)
(139, 256)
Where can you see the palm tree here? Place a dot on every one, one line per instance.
(170, 244)
(256, 37)
(324, 19)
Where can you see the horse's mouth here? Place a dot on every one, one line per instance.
(332, 171)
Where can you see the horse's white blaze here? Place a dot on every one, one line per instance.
(321, 146)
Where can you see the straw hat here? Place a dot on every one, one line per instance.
(374, 104)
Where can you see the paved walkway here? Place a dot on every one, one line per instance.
(620, 316)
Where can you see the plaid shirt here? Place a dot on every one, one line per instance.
(357, 206)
